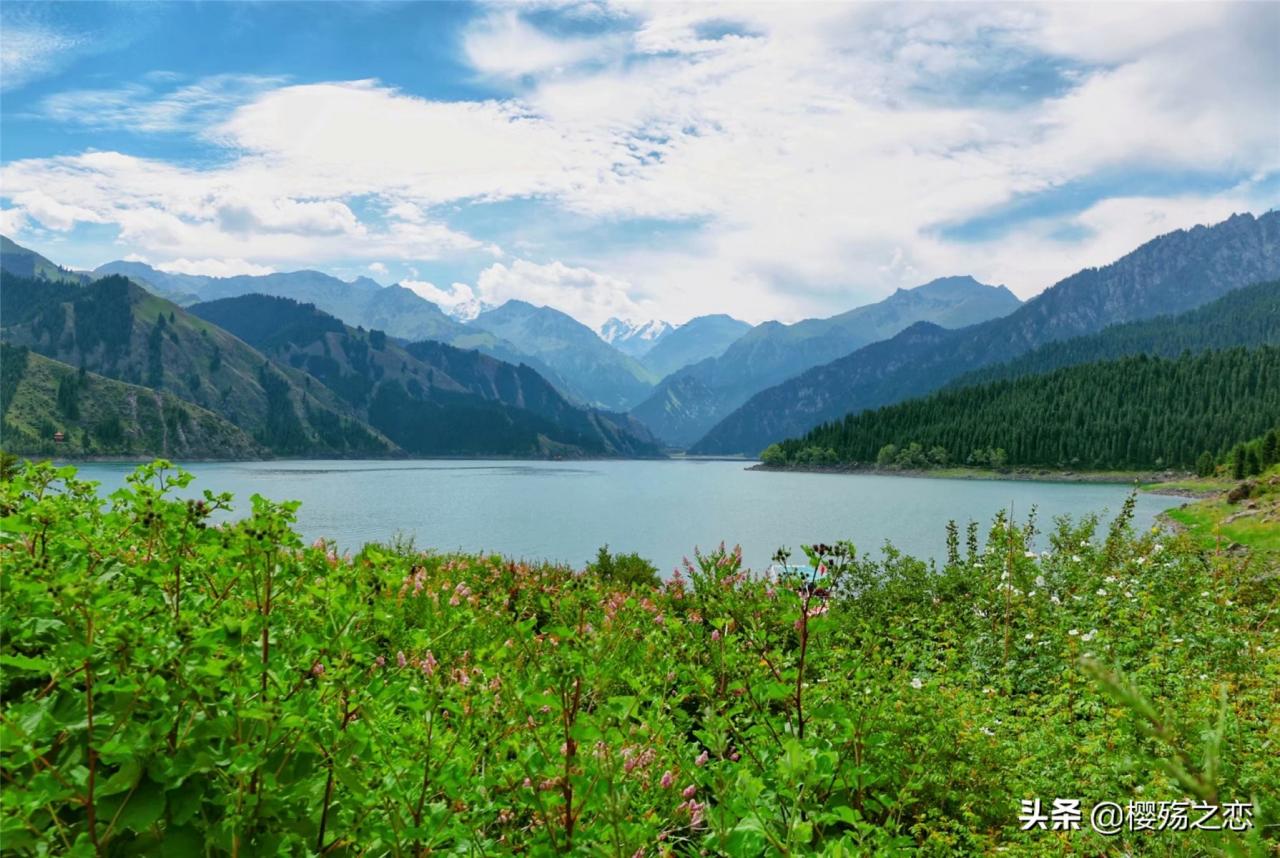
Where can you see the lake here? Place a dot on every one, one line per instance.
(661, 509)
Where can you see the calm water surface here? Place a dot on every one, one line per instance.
(663, 510)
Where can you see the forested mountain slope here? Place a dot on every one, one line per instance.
(114, 328)
(41, 399)
(1170, 274)
(1245, 317)
(430, 398)
(1133, 413)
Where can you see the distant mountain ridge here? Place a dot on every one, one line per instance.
(286, 379)
(428, 397)
(696, 340)
(1175, 272)
(594, 371)
(688, 403)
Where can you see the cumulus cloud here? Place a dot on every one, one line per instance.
(12, 221)
(214, 267)
(813, 154)
(378, 268)
(504, 45)
(457, 295)
(588, 296)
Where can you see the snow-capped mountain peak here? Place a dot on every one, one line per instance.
(634, 338)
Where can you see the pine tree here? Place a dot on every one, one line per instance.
(1270, 449)
(1252, 463)
(1204, 465)
(1238, 464)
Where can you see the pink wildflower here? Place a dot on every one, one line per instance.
(702, 759)
(668, 779)
(317, 669)
(380, 661)
(690, 791)
(400, 658)
(715, 635)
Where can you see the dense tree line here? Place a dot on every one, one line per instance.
(1246, 317)
(1136, 412)
(1246, 459)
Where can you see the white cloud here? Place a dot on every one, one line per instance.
(214, 267)
(504, 45)
(456, 296)
(12, 221)
(588, 296)
(378, 268)
(812, 149)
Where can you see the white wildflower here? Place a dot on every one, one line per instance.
(916, 683)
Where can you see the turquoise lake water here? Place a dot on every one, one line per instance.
(661, 509)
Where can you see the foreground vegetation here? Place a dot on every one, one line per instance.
(176, 687)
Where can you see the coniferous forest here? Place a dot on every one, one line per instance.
(1135, 413)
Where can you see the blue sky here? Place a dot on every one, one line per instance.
(648, 161)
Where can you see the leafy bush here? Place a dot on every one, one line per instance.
(630, 571)
(180, 687)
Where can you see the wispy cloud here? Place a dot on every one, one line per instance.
(147, 108)
(30, 50)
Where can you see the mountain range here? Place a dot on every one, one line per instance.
(691, 401)
(428, 397)
(1174, 272)
(303, 363)
(288, 378)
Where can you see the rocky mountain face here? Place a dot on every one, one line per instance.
(1173, 273)
(689, 402)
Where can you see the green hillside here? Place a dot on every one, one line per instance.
(430, 398)
(116, 329)
(1245, 317)
(99, 416)
(1133, 413)
(16, 259)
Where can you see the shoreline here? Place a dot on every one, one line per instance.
(1145, 481)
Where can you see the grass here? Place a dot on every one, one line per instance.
(1253, 523)
(1205, 485)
